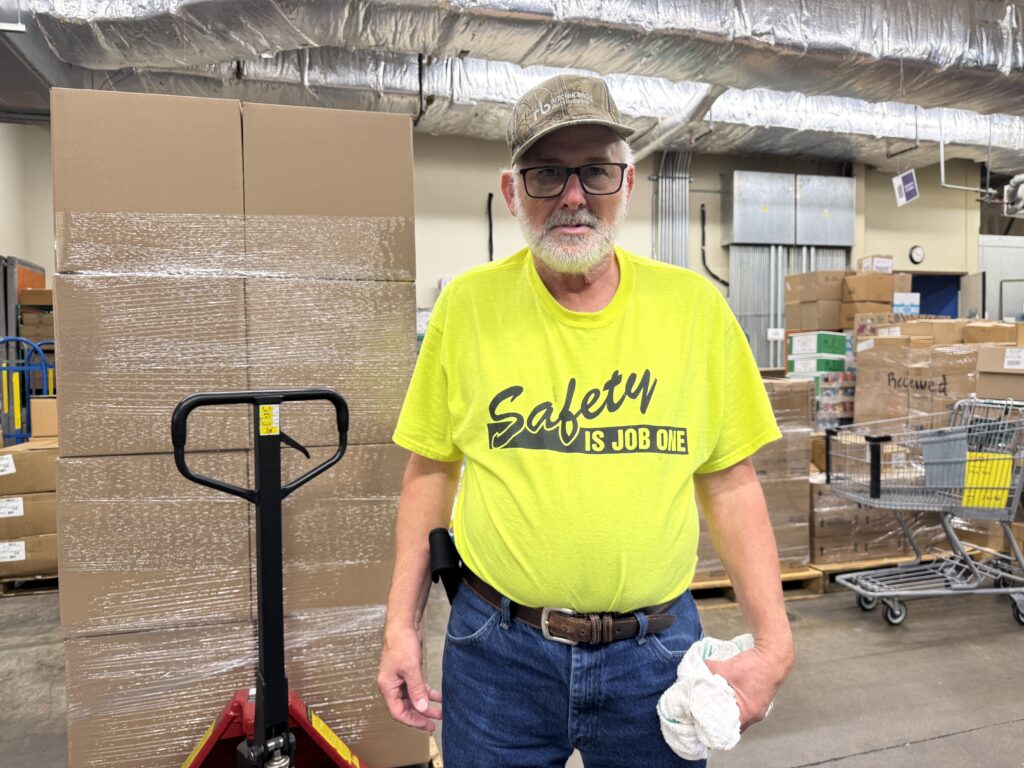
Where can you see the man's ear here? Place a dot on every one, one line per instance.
(508, 191)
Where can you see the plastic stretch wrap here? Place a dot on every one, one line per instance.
(144, 699)
(889, 368)
(141, 547)
(782, 467)
(929, 53)
(843, 531)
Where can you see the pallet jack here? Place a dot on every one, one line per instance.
(267, 726)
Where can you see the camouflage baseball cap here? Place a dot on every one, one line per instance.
(559, 102)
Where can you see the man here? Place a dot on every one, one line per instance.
(591, 393)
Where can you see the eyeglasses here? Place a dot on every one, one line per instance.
(596, 179)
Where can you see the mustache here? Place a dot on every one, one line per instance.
(578, 218)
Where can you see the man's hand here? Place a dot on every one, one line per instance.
(755, 676)
(400, 681)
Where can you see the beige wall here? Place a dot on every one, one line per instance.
(452, 178)
(26, 197)
(944, 222)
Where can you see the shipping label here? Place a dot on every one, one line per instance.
(1013, 359)
(12, 507)
(7, 464)
(12, 551)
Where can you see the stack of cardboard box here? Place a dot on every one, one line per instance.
(813, 301)
(28, 510)
(869, 292)
(782, 467)
(191, 262)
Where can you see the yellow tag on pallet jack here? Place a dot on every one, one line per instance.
(270, 420)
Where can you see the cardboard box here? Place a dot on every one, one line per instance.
(816, 364)
(144, 699)
(980, 533)
(792, 316)
(874, 287)
(849, 311)
(28, 468)
(43, 416)
(821, 315)
(336, 205)
(146, 183)
(818, 454)
(33, 514)
(792, 401)
(817, 343)
(787, 457)
(787, 499)
(130, 347)
(35, 297)
(364, 339)
(980, 332)
(885, 376)
(906, 303)
(814, 286)
(28, 557)
(1001, 373)
(141, 547)
(941, 331)
(339, 530)
(875, 264)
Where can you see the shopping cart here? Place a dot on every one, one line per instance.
(966, 464)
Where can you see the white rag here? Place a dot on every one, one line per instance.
(699, 711)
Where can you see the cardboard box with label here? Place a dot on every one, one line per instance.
(28, 468)
(850, 311)
(32, 514)
(30, 557)
(1001, 373)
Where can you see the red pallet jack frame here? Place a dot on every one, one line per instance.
(267, 726)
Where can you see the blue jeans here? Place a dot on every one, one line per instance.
(512, 698)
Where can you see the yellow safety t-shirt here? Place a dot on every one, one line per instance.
(582, 431)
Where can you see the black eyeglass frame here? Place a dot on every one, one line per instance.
(570, 172)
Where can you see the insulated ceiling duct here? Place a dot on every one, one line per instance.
(967, 54)
(469, 97)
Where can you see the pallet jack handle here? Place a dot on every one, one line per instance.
(261, 401)
(272, 745)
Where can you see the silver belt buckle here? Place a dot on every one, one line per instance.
(544, 613)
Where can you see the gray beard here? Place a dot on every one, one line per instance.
(577, 254)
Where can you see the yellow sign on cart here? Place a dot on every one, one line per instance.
(987, 480)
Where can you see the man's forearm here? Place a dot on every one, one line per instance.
(734, 508)
(427, 493)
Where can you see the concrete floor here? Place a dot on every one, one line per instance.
(943, 690)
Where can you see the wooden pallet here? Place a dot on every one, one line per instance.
(435, 755)
(28, 586)
(796, 585)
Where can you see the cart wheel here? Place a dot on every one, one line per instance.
(896, 613)
(1017, 614)
(866, 603)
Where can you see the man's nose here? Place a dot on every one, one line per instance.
(573, 195)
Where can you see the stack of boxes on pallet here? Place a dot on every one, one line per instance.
(192, 261)
(782, 468)
(28, 507)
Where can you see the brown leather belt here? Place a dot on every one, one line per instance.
(565, 626)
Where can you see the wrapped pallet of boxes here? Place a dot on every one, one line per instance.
(885, 370)
(28, 510)
(782, 468)
(191, 261)
(843, 531)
